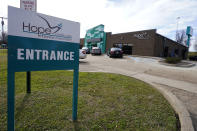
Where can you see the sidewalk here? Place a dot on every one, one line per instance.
(190, 87)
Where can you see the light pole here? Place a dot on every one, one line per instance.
(177, 28)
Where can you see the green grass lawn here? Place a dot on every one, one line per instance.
(3, 52)
(3, 57)
(192, 54)
(106, 102)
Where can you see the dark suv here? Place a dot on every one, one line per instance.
(115, 52)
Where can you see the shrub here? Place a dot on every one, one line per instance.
(173, 60)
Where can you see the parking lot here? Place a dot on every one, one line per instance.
(181, 81)
(133, 65)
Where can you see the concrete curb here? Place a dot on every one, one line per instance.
(178, 65)
(178, 106)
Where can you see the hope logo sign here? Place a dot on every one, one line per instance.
(41, 42)
(45, 30)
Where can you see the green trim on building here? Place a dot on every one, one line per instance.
(96, 37)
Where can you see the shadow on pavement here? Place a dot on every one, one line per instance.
(84, 62)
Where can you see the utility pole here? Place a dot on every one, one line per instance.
(2, 23)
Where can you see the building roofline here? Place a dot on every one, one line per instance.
(171, 40)
(133, 31)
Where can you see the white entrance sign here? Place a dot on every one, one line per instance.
(39, 42)
(36, 25)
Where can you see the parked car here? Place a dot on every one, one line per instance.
(96, 51)
(86, 49)
(193, 58)
(82, 54)
(115, 52)
(3, 46)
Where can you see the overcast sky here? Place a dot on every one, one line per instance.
(120, 15)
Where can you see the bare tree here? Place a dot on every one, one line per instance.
(195, 44)
(4, 38)
(181, 37)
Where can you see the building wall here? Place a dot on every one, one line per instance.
(108, 40)
(174, 48)
(81, 42)
(159, 46)
(142, 41)
(146, 43)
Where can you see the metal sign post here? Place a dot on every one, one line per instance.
(30, 5)
(43, 43)
(75, 94)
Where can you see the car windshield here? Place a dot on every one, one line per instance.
(95, 48)
(115, 49)
(85, 48)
